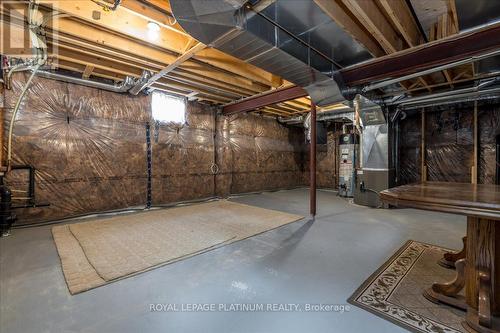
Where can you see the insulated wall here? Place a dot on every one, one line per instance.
(258, 154)
(89, 149)
(489, 130)
(449, 143)
(182, 157)
(327, 159)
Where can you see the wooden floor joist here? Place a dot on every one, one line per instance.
(115, 44)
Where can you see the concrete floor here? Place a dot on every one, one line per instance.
(321, 261)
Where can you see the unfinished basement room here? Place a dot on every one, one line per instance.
(255, 166)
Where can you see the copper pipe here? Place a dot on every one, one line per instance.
(312, 161)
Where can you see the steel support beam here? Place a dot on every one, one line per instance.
(265, 99)
(312, 163)
(454, 48)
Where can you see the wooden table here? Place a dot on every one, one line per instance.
(479, 271)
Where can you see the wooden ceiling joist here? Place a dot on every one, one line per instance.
(117, 45)
(401, 17)
(372, 18)
(112, 63)
(153, 13)
(334, 9)
(452, 10)
(425, 56)
(388, 22)
(90, 37)
(122, 22)
(87, 52)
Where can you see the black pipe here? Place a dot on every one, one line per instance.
(7, 218)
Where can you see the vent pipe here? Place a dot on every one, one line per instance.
(124, 86)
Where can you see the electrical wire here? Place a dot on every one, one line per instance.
(107, 7)
(170, 22)
(54, 15)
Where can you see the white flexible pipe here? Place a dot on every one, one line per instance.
(41, 46)
(13, 118)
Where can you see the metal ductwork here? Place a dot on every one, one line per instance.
(344, 116)
(291, 121)
(259, 39)
(347, 116)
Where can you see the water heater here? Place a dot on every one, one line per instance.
(348, 155)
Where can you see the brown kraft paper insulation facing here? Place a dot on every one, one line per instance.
(89, 150)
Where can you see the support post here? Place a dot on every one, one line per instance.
(149, 161)
(1, 134)
(2, 95)
(475, 161)
(312, 162)
(423, 166)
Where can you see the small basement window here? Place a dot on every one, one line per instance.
(167, 108)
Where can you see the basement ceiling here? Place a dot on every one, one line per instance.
(305, 20)
(116, 44)
(478, 12)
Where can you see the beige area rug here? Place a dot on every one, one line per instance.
(98, 252)
(394, 291)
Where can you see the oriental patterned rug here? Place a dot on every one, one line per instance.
(394, 291)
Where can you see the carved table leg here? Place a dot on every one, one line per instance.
(448, 292)
(449, 258)
(483, 276)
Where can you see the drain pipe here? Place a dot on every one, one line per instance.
(471, 97)
(452, 94)
(291, 121)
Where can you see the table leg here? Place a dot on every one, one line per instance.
(482, 276)
(449, 258)
(447, 293)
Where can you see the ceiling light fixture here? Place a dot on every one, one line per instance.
(153, 30)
